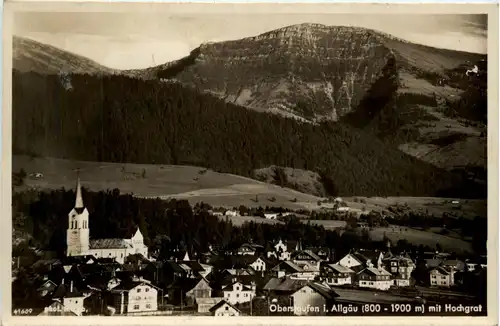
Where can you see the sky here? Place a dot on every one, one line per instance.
(140, 40)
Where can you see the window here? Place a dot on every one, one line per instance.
(227, 308)
(148, 306)
(76, 301)
(139, 290)
(136, 307)
(237, 295)
(433, 276)
(147, 290)
(371, 283)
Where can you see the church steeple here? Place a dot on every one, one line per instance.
(79, 199)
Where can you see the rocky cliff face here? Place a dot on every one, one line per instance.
(304, 70)
(309, 71)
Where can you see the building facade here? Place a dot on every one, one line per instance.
(79, 243)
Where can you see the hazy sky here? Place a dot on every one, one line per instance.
(128, 40)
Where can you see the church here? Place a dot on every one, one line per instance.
(79, 244)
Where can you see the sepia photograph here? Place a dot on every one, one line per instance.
(210, 163)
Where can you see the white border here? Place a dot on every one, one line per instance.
(262, 8)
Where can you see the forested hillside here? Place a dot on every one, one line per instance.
(120, 119)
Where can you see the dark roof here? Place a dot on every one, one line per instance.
(129, 285)
(220, 304)
(324, 291)
(186, 284)
(288, 265)
(65, 291)
(365, 255)
(109, 244)
(231, 287)
(192, 264)
(307, 252)
(284, 285)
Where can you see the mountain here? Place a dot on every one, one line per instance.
(121, 119)
(30, 55)
(308, 70)
(414, 96)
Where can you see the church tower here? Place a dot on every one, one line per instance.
(77, 236)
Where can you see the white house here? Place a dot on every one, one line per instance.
(375, 278)
(71, 298)
(224, 309)
(271, 216)
(135, 297)
(79, 243)
(237, 292)
(204, 304)
(442, 277)
(335, 274)
(232, 213)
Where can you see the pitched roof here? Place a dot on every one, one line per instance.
(365, 255)
(65, 291)
(109, 244)
(376, 271)
(287, 265)
(231, 287)
(220, 304)
(285, 285)
(321, 289)
(340, 269)
(442, 270)
(129, 285)
(308, 252)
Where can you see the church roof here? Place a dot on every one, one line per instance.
(108, 244)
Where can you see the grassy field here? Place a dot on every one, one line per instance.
(328, 224)
(218, 189)
(433, 205)
(165, 181)
(431, 239)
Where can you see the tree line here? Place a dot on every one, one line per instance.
(166, 225)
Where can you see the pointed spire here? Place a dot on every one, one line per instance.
(79, 199)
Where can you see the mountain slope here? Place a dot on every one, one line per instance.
(307, 70)
(29, 55)
(120, 119)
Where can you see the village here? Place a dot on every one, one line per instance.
(283, 277)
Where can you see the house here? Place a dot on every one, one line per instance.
(188, 290)
(71, 298)
(47, 288)
(249, 249)
(237, 292)
(271, 216)
(335, 274)
(442, 277)
(134, 296)
(294, 271)
(224, 308)
(455, 264)
(375, 278)
(365, 258)
(306, 257)
(322, 252)
(310, 299)
(283, 286)
(232, 213)
(204, 304)
(201, 289)
(401, 268)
